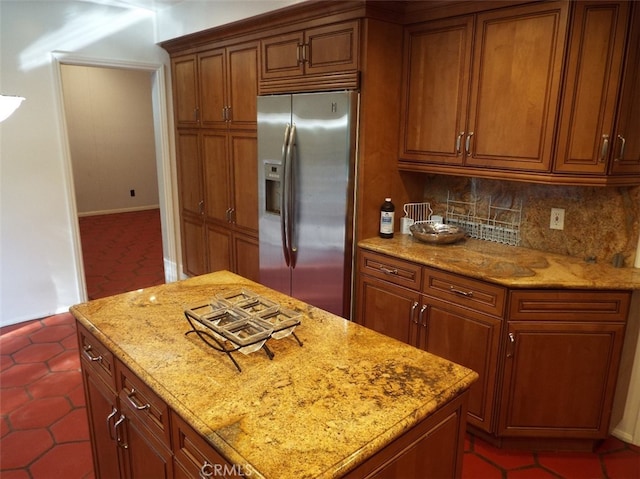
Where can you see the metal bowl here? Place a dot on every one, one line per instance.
(437, 233)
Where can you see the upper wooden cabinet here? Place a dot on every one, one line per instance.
(217, 88)
(481, 90)
(298, 60)
(588, 142)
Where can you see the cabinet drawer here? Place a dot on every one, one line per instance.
(195, 457)
(96, 357)
(466, 292)
(562, 305)
(396, 271)
(142, 404)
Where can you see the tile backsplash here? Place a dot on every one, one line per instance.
(598, 223)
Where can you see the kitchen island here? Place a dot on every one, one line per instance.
(347, 402)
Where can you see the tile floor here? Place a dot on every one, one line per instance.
(43, 424)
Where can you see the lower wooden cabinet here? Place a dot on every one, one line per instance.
(547, 359)
(430, 449)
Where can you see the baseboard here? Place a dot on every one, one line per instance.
(119, 210)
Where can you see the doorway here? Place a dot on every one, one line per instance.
(144, 185)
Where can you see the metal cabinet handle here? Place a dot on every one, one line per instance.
(459, 142)
(605, 148)
(87, 354)
(138, 406)
(232, 215)
(116, 427)
(201, 207)
(299, 54)
(512, 341)
(228, 114)
(196, 113)
(206, 470)
(468, 143)
(109, 418)
(386, 270)
(421, 319)
(455, 290)
(622, 145)
(412, 315)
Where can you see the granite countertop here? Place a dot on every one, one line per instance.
(510, 266)
(316, 410)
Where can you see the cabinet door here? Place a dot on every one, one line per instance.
(332, 48)
(185, 90)
(282, 56)
(517, 66)
(469, 339)
(194, 457)
(559, 379)
(216, 175)
(193, 245)
(102, 413)
(243, 152)
(246, 252)
(437, 58)
(219, 248)
(146, 456)
(596, 50)
(386, 308)
(212, 88)
(626, 150)
(242, 86)
(189, 172)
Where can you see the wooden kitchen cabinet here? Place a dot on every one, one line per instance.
(547, 359)
(481, 91)
(122, 442)
(587, 141)
(216, 88)
(295, 60)
(463, 323)
(194, 457)
(217, 171)
(561, 363)
(457, 318)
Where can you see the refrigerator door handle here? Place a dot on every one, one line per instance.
(283, 195)
(292, 198)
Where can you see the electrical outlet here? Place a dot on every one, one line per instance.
(557, 219)
(132, 192)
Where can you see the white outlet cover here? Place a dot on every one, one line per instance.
(557, 219)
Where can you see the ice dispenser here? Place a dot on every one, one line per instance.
(272, 180)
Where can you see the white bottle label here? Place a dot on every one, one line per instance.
(386, 222)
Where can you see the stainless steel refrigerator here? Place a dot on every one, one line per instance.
(306, 167)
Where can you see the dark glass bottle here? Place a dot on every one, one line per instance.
(387, 218)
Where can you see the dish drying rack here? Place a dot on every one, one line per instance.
(418, 212)
(241, 321)
(500, 225)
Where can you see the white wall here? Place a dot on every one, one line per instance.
(39, 262)
(109, 119)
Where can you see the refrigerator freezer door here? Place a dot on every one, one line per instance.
(274, 115)
(321, 187)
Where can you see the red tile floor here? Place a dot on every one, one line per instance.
(43, 424)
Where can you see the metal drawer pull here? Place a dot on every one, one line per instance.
(388, 271)
(624, 142)
(459, 142)
(109, 418)
(512, 340)
(422, 310)
(468, 294)
(135, 404)
(605, 148)
(468, 143)
(412, 317)
(86, 351)
(206, 470)
(123, 445)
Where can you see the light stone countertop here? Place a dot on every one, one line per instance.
(510, 266)
(314, 411)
